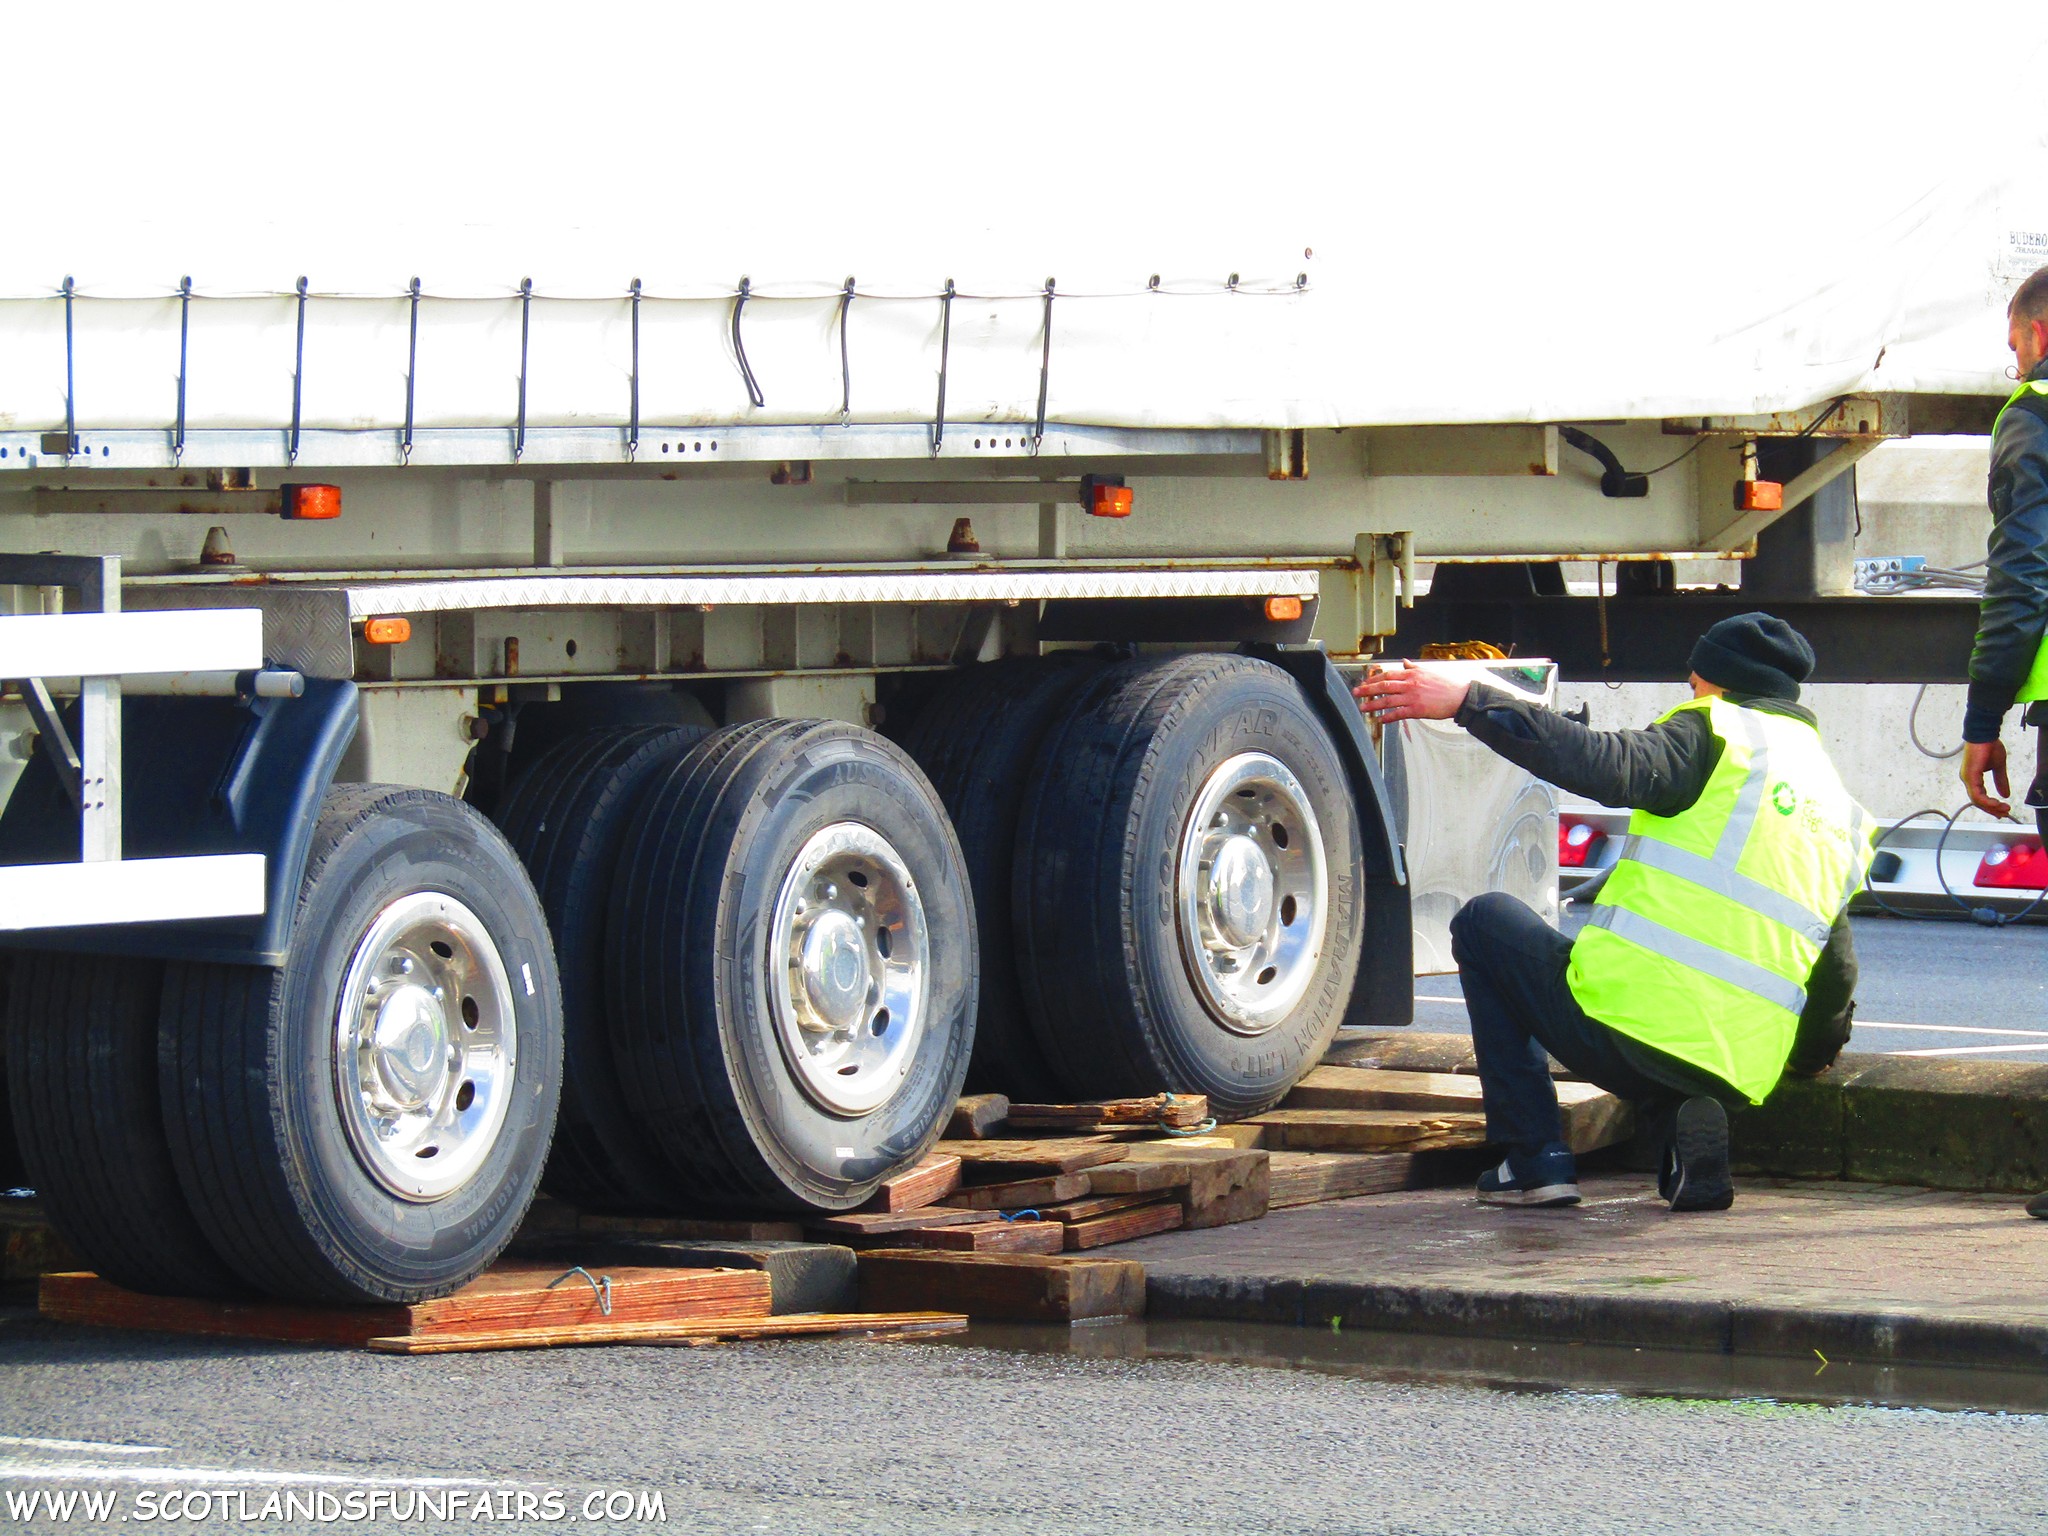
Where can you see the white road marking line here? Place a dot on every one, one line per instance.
(61, 1471)
(37, 1442)
(1955, 1029)
(1970, 1050)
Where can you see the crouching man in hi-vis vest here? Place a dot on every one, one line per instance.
(1717, 954)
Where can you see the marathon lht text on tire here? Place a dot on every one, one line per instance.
(568, 817)
(82, 1074)
(792, 955)
(977, 739)
(368, 1121)
(1189, 884)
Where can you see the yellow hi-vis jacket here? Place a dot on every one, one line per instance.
(2035, 685)
(1703, 938)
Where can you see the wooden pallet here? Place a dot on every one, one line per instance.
(1007, 1287)
(1593, 1117)
(1310, 1178)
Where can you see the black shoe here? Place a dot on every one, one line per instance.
(1695, 1172)
(2038, 1207)
(1548, 1177)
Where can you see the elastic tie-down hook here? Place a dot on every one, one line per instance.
(739, 347)
(291, 446)
(525, 334)
(602, 1284)
(412, 368)
(633, 379)
(1044, 369)
(945, 356)
(845, 360)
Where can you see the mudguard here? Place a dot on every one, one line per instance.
(1385, 992)
(198, 776)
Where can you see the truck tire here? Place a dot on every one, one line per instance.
(382, 1149)
(82, 1078)
(1189, 885)
(976, 740)
(567, 818)
(797, 1085)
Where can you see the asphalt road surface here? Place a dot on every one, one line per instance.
(843, 1437)
(1926, 987)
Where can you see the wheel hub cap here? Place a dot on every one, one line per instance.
(409, 1041)
(835, 971)
(425, 1046)
(1240, 891)
(1252, 893)
(848, 954)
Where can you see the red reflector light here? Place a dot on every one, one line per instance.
(1759, 496)
(1282, 610)
(1109, 501)
(387, 631)
(1577, 843)
(2021, 864)
(308, 502)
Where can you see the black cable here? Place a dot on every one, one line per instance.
(1668, 463)
(1989, 917)
(739, 347)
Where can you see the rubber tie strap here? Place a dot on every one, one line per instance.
(1020, 1215)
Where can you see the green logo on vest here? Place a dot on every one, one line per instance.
(1783, 798)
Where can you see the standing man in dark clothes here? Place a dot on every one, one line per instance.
(1718, 954)
(2009, 664)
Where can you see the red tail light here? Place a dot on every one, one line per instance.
(2020, 864)
(1577, 842)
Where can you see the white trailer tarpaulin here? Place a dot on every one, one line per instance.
(1321, 217)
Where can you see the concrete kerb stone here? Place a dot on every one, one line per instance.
(1942, 1124)
(1628, 1320)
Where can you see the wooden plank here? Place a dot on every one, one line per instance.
(511, 1296)
(1139, 1221)
(695, 1331)
(1004, 1162)
(1174, 1109)
(1243, 1136)
(1139, 1176)
(977, 1115)
(1593, 1117)
(1217, 1185)
(1093, 1206)
(1022, 1194)
(995, 1237)
(1009, 1287)
(885, 1223)
(1369, 1130)
(1309, 1178)
(925, 1183)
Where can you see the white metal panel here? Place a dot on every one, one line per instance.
(130, 891)
(405, 597)
(110, 644)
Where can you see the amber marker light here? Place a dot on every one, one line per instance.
(309, 503)
(387, 631)
(1759, 496)
(1283, 610)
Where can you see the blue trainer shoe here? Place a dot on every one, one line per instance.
(1548, 1177)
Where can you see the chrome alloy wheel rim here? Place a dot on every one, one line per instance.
(848, 953)
(1252, 888)
(426, 1040)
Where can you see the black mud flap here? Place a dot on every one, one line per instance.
(198, 776)
(1385, 992)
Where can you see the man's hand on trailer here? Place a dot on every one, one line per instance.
(1405, 691)
(1980, 758)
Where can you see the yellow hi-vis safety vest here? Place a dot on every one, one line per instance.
(2036, 684)
(1704, 936)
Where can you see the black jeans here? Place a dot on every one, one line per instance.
(1512, 965)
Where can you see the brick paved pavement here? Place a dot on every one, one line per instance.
(1866, 1271)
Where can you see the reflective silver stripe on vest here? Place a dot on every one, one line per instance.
(1859, 846)
(1697, 956)
(1750, 798)
(1723, 881)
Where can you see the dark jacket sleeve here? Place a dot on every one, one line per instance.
(2014, 613)
(1660, 769)
(1830, 1005)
